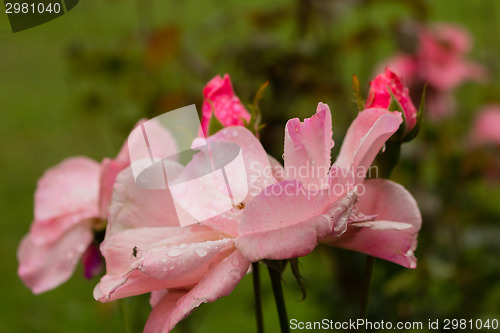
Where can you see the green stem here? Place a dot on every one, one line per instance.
(280, 301)
(366, 289)
(257, 296)
(123, 315)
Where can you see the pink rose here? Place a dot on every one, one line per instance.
(70, 199)
(332, 204)
(146, 250)
(220, 97)
(404, 65)
(379, 96)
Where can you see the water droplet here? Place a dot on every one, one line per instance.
(163, 259)
(183, 246)
(171, 265)
(174, 252)
(201, 251)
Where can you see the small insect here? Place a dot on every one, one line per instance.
(241, 205)
(135, 250)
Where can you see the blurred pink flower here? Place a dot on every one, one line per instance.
(442, 57)
(439, 104)
(404, 65)
(441, 62)
(486, 128)
(288, 218)
(379, 96)
(220, 97)
(146, 250)
(70, 199)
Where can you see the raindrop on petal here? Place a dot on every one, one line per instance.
(174, 252)
(201, 251)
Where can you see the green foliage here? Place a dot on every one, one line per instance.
(357, 93)
(77, 85)
(214, 125)
(420, 117)
(255, 113)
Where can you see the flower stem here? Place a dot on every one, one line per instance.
(280, 301)
(366, 289)
(257, 296)
(123, 315)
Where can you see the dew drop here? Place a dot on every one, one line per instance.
(174, 252)
(201, 251)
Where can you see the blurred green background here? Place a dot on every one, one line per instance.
(77, 85)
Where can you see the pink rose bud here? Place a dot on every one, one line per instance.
(379, 96)
(220, 97)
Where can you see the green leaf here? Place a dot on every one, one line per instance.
(396, 106)
(357, 93)
(387, 159)
(260, 94)
(214, 125)
(255, 114)
(420, 117)
(294, 264)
